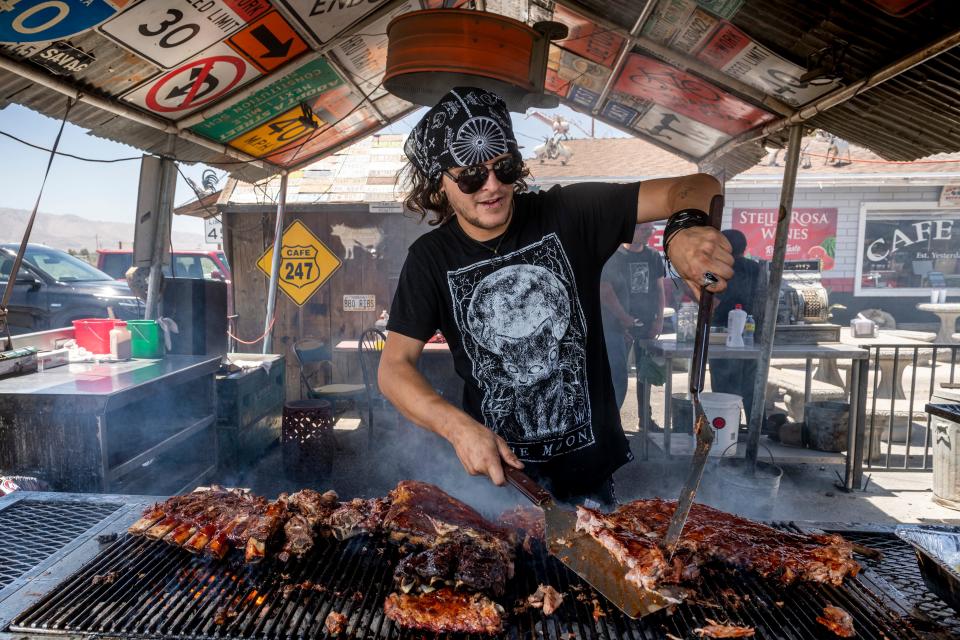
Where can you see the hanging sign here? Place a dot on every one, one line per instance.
(734, 53)
(311, 79)
(268, 42)
(167, 32)
(671, 18)
(574, 77)
(39, 20)
(687, 95)
(195, 83)
(326, 18)
(276, 133)
(359, 123)
(364, 55)
(587, 39)
(63, 59)
(305, 263)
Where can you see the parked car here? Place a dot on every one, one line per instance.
(54, 288)
(209, 265)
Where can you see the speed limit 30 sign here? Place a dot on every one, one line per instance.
(167, 32)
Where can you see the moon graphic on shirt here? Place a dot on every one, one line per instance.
(514, 302)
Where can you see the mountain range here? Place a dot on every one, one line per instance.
(67, 231)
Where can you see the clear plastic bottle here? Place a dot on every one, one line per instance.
(749, 329)
(736, 321)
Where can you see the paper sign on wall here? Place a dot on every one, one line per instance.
(359, 302)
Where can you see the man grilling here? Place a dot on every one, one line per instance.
(512, 281)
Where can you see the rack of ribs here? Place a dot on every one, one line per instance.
(420, 513)
(457, 561)
(213, 521)
(633, 532)
(445, 610)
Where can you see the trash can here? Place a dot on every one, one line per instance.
(946, 454)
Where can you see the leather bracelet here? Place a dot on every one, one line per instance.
(683, 219)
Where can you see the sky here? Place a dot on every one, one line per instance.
(109, 191)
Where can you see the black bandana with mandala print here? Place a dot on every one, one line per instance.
(467, 126)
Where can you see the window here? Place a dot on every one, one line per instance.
(208, 266)
(62, 266)
(116, 264)
(901, 243)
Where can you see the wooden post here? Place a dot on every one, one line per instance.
(275, 266)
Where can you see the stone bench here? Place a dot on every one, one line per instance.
(792, 383)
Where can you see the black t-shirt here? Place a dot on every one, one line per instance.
(524, 325)
(635, 279)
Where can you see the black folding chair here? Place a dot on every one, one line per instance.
(369, 349)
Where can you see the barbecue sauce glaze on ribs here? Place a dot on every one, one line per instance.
(458, 559)
(445, 610)
(632, 534)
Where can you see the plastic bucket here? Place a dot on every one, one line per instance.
(752, 495)
(723, 413)
(145, 340)
(93, 334)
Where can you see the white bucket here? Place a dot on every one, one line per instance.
(723, 414)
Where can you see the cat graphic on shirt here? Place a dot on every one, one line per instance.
(520, 313)
(532, 367)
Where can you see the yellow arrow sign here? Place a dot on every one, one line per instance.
(305, 263)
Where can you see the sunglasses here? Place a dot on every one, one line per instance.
(472, 178)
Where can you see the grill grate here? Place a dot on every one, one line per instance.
(33, 531)
(899, 568)
(144, 589)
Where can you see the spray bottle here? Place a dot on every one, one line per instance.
(736, 320)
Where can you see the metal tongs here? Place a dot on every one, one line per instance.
(701, 426)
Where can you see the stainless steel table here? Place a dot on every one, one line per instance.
(100, 426)
(666, 347)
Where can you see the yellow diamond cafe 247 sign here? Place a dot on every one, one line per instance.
(305, 263)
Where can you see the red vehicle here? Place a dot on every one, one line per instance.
(209, 265)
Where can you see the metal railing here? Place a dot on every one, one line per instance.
(898, 430)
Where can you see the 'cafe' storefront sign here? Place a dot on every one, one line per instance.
(901, 245)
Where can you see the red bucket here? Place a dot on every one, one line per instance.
(93, 334)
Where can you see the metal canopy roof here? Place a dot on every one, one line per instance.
(255, 87)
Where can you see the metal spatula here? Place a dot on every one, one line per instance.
(701, 426)
(584, 555)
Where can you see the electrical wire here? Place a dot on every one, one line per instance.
(68, 155)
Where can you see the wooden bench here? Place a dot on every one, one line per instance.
(792, 383)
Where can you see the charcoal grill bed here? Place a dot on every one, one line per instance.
(136, 588)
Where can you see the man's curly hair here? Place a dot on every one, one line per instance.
(425, 196)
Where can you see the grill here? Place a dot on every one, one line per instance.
(31, 532)
(141, 589)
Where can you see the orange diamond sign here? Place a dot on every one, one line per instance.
(305, 263)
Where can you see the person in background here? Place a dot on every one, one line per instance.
(726, 375)
(631, 295)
